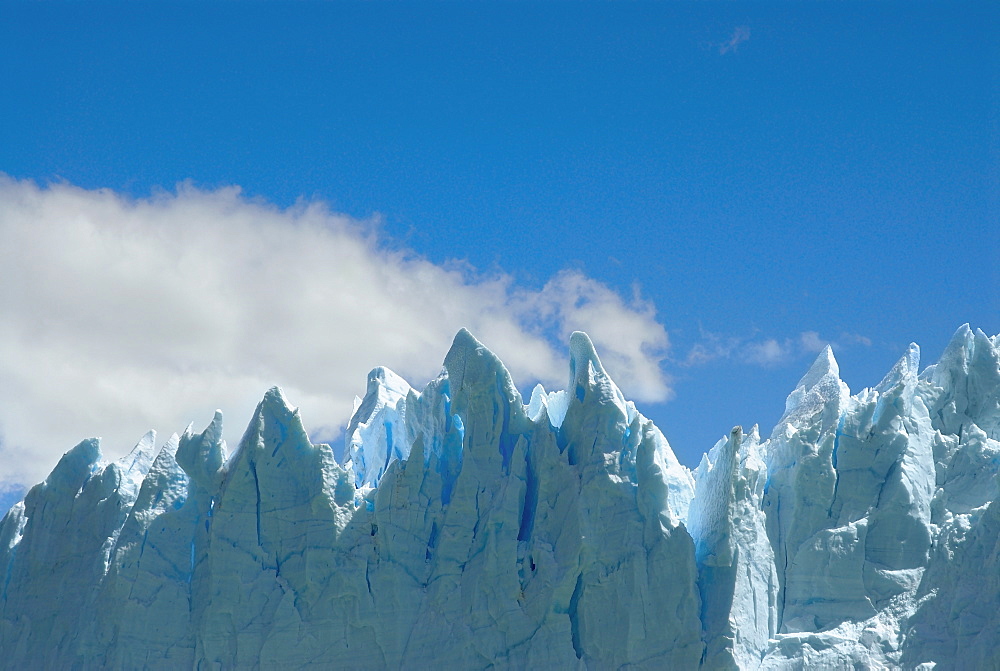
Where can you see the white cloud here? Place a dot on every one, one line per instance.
(629, 340)
(118, 315)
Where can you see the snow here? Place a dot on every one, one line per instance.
(466, 528)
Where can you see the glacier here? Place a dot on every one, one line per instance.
(467, 528)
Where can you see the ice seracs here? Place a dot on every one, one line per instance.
(737, 581)
(376, 432)
(466, 528)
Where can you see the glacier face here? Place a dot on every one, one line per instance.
(467, 528)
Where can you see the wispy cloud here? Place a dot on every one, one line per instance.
(711, 346)
(766, 353)
(740, 35)
(856, 339)
(810, 341)
(761, 351)
(121, 315)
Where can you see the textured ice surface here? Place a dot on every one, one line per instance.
(467, 529)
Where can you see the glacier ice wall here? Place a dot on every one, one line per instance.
(467, 528)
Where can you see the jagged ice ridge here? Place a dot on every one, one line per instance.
(469, 529)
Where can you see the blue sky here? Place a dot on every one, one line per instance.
(753, 180)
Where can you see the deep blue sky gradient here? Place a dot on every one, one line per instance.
(836, 172)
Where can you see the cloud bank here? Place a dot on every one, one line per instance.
(119, 315)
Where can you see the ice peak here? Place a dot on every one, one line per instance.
(376, 432)
(959, 349)
(819, 390)
(538, 400)
(913, 358)
(824, 365)
(465, 340)
(384, 377)
(147, 442)
(907, 367)
(476, 372)
(76, 466)
(202, 455)
(274, 399)
(137, 462)
(968, 378)
(581, 353)
(586, 372)
(462, 347)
